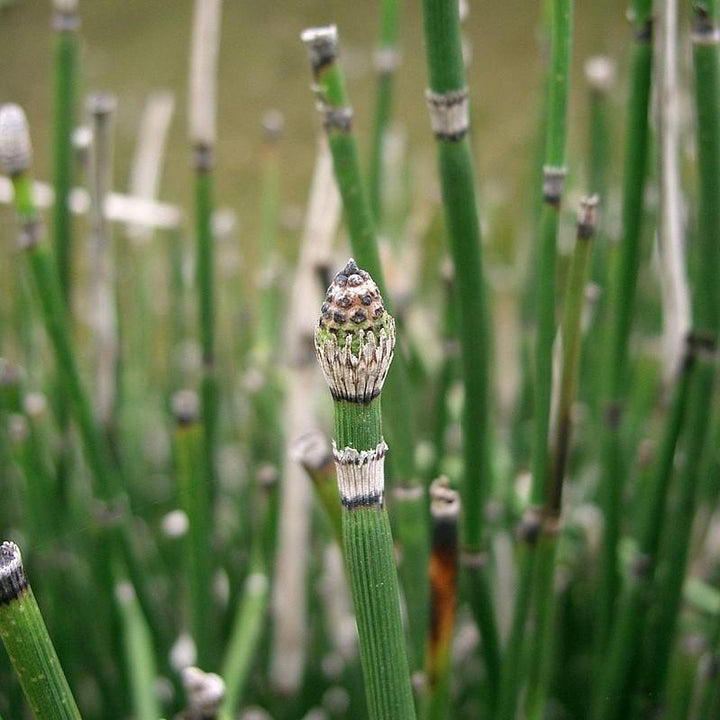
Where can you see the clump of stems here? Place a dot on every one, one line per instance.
(354, 342)
(28, 643)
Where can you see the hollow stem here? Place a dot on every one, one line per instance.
(615, 685)
(354, 342)
(193, 494)
(386, 60)
(620, 312)
(542, 646)
(448, 103)
(28, 643)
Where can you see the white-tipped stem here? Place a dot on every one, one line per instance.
(673, 279)
(147, 164)
(13, 581)
(312, 450)
(303, 381)
(600, 73)
(204, 691)
(322, 45)
(202, 110)
(103, 311)
(65, 18)
(15, 145)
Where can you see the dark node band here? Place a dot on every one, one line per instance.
(360, 501)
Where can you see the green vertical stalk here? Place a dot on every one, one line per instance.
(386, 61)
(615, 681)
(553, 181)
(250, 614)
(203, 132)
(66, 24)
(448, 103)
(139, 654)
(337, 118)
(620, 308)
(542, 646)
(193, 494)
(354, 342)
(706, 316)
(28, 643)
(444, 513)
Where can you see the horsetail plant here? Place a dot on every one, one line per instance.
(554, 172)
(542, 646)
(385, 59)
(706, 321)
(617, 680)
(449, 106)
(620, 312)
(203, 135)
(354, 343)
(26, 639)
(444, 517)
(16, 159)
(66, 24)
(337, 116)
(193, 493)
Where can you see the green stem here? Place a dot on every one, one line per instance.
(28, 643)
(706, 315)
(139, 654)
(553, 180)
(209, 393)
(614, 686)
(542, 646)
(447, 95)
(337, 117)
(386, 59)
(193, 494)
(354, 342)
(620, 308)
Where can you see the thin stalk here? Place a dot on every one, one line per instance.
(193, 494)
(706, 317)
(66, 24)
(709, 695)
(386, 60)
(444, 514)
(250, 617)
(202, 114)
(139, 654)
(620, 312)
(103, 299)
(542, 646)
(354, 342)
(28, 643)
(448, 103)
(337, 118)
(553, 181)
(615, 686)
